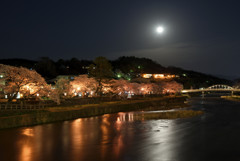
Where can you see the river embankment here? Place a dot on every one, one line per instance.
(9, 119)
(231, 98)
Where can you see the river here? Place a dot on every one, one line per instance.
(118, 137)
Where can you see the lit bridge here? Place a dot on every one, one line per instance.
(214, 88)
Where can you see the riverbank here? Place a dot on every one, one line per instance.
(231, 98)
(18, 118)
(168, 115)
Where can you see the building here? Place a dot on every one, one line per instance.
(159, 76)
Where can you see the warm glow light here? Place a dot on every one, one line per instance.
(28, 132)
(158, 75)
(147, 75)
(160, 29)
(163, 76)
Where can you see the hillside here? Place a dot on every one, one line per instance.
(131, 67)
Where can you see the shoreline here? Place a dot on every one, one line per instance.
(231, 98)
(54, 114)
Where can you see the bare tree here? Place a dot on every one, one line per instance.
(101, 70)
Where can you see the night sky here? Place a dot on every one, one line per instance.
(199, 35)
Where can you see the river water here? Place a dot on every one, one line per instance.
(118, 137)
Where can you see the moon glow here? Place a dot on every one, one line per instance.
(159, 29)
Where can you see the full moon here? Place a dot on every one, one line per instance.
(160, 29)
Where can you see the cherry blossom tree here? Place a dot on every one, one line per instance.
(171, 87)
(20, 80)
(120, 87)
(83, 85)
(63, 87)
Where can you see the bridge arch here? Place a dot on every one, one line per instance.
(220, 86)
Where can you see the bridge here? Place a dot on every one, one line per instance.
(214, 88)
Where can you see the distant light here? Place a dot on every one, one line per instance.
(184, 91)
(18, 95)
(147, 75)
(119, 76)
(160, 29)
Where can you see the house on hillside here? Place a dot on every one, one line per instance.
(159, 76)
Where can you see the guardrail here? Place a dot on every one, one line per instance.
(24, 106)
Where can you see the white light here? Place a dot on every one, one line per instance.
(160, 29)
(18, 95)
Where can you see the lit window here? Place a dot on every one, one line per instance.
(158, 75)
(147, 75)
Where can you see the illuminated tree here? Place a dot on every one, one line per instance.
(134, 88)
(83, 85)
(54, 96)
(171, 87)
(23, 81)
(62, 87)
(120, 87)
(147, 88)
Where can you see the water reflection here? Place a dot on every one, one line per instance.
(76, 139)
(28, 132)
(110, 137)
(26, 152)
(26, 144)
(122, 117)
